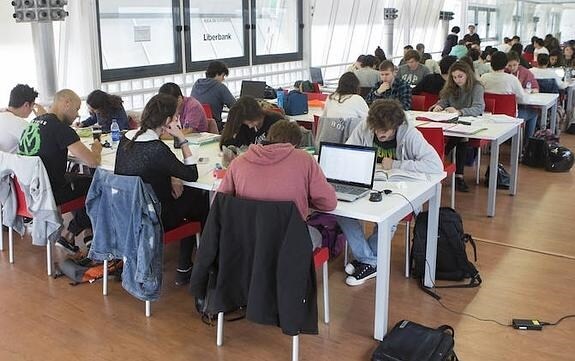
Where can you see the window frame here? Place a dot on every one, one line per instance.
(145, 71)
(489, 13)
(244, 60)
(277, 58)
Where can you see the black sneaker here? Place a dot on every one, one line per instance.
(351, 266)
(183, 276)
(363, 272)
(67, 246)
(460, 185)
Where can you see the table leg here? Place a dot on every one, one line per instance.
(543, 122)
(382, 279)
(494, 161)
(553, 124)
(515, 150)
(431, 247)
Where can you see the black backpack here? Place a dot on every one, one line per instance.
(411, 341)
(452, 263)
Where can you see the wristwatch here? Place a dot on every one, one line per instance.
(185, 141)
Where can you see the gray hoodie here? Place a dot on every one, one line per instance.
(216, 94)
(413, 152)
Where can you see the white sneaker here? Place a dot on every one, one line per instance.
(363, 273)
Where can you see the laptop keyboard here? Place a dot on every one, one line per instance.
(342, 188)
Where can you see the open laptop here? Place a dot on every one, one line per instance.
(349, 168)
(253, 88)
(315, 75)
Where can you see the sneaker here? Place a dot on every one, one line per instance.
(183, 276)
(460, 185)
(363, 272)
(351, 266)
(67, 246)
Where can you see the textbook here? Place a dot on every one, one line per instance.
(398, 175)
(202, 138)
(465, 129)
(437, 117)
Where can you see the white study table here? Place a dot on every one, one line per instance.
(499, 129)
(544, 101)
(386, 214)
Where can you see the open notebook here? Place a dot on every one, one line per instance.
(398, 175)
(464, 129)
(437, 117)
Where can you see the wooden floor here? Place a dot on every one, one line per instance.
(526, 259)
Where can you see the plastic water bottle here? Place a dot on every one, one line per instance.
(115, 133)
(528, 87)
(280, 96)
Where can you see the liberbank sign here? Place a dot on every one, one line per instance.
(216, 37)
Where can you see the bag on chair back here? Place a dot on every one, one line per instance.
(452, 262)
(409, 341)
(331, 234)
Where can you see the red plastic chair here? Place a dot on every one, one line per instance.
(504, 103)
(316, 88)
(208, 111)
(22, 210)
(435, 138)
(418, 102)
(430, 100)
(528, 57)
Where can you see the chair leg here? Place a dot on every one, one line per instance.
(453, 191)
(105, 279)
(295, 348)
(49, 258)
(1, 232)
(478, 165)
(345, 259)
(11, 244)
(197, 240)
(407, 229)
(220, 329)
(148, 308)
(325, 293)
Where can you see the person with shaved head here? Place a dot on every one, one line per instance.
(50, 137)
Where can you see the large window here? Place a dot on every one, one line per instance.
(138, 38)
(216, 30)
(142, 38)
(276, 30)
(485, 20)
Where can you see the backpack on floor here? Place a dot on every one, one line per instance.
(408, 341)
(452, 262)
(86, 270)
(331, 234)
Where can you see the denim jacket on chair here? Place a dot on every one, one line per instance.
(125, 215)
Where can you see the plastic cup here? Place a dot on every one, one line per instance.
(97, 134)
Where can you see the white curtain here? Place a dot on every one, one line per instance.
(78, 59)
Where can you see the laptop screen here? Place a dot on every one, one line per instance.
(252, 88)
(315, 75)
(348, 164)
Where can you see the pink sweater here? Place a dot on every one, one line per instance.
(525, 75)
(279, 172)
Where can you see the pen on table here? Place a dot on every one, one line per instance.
(464, 122)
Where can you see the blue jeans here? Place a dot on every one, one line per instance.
(529, 115)
(364, 250)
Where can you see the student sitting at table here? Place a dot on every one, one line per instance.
(103, 109)
(284, 173)
(525, 76)
(142, 153)
(462, 94)
(191, 112)
(390, 86)
(247, 123)
(499, 82)
(433, 83)
(346, 102)
(399, 145)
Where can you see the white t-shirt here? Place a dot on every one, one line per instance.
(503, 83)
(542, 50)
(12, 127)
(353, 106)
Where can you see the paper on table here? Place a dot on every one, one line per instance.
(465, 129)
(437, 116)
(444, 126)
(394, 175)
